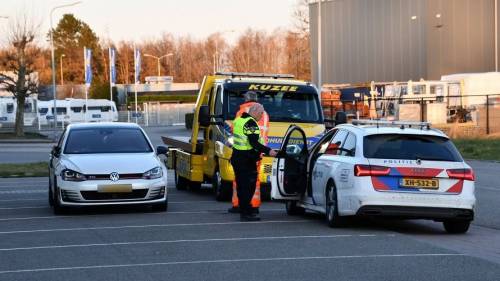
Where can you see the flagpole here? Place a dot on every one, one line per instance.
(111, 61)
(135, 82)
(86, 85)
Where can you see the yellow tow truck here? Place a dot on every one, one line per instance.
(204, 157)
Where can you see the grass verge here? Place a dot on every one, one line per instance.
(39, 169)
(480, 149)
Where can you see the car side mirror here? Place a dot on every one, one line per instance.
(340, 118)
(56, 151)
(161, 150)
(204, 116)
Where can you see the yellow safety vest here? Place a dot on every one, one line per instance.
(241, 141)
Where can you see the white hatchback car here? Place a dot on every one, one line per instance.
(376, 168)
(106, 164)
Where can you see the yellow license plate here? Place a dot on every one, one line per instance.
(118, 188)
(420, 183)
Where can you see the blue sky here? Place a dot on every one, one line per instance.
(148, 19)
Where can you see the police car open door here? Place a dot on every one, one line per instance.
(289, 178)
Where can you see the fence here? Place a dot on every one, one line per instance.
(149, 114)
(458, 116)
(157, 114)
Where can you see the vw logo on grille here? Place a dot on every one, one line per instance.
(114, 176)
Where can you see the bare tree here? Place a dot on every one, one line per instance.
(19, 61)
(301, 17)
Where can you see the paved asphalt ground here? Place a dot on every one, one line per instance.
(198, 240)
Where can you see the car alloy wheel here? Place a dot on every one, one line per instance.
(332, 216)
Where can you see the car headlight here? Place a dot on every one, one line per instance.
(154, 173)
(70, 175)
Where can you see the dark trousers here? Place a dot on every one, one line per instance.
(245, 172)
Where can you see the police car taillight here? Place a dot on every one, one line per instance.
(461, 174)
(370, 170)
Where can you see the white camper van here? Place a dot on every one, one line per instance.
(8, 108)
(75, 111)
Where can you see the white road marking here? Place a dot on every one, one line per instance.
(227, 261)
(47, 206)
(28, 207)
(29, 191)
(488, 188)
(149, 226)
(9, 200)
(152, 214)
(191, 240)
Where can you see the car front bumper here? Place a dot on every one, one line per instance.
(88, 193)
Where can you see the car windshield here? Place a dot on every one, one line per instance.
(410, 147)
(106, 140)
(298, 104)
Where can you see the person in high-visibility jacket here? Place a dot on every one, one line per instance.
(251, 99)
(247, 150)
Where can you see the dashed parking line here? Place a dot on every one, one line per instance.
(194, 240)
(230, 261)
(29, 191)
(45, 206)
(150, 226)
(152, 214)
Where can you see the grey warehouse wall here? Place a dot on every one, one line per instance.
(389, 40)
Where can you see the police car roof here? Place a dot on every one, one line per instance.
(103, 125)
(381, 129)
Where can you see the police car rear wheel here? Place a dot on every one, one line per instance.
(456, 227)
(332, 216)
(293, 210)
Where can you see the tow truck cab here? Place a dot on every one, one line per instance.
(205, 157)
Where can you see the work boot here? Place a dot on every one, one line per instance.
(251, 217)
(234, 210)
(255, 210)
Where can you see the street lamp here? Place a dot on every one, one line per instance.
(54, 94)
(216, 55)
(158, 60)
(60, 62)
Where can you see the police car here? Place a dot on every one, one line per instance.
(394, 169)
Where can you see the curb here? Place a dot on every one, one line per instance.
(26, 141)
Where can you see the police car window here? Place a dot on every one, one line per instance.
(325, 143)
(349, 145)
(295, 143)
(336, 143)
(410, 147)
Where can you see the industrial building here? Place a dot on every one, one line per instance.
(400, 40)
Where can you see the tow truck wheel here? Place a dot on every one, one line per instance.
(222, 189)
(293, 210)
(456, 227)
(180, 182)
(332, 214)
(194, 185)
